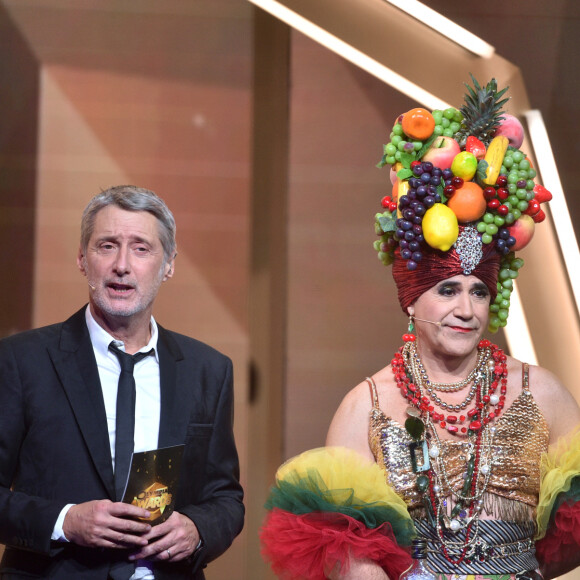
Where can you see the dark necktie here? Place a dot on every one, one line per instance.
(125, 421)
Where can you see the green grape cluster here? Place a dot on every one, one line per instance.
(385, 245)
(508, 272)
(488, 226)
(520, 177)
(447, 123)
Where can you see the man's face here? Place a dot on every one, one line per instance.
(124, 263)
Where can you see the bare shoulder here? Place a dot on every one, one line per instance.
(555, 401)
(350, 424)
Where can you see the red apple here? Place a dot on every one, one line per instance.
(511, 128)
(523, 231)
(442, 152)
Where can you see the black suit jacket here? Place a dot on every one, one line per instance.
(54, 448)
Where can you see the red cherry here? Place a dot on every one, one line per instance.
(392, 206)
(457, 182)
(501, 180)
(415, 163)
(503, 210)
(493, 203)
(449, 190)
(489, 193)
(503, 193)
(386, 201)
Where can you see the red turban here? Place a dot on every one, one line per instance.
(436, 266)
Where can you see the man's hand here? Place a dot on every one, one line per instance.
(104, 524)
(173, 540)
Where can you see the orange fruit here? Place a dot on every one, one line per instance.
(468, 203)
(418, 124)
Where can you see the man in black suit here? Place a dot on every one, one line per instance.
(60, 514)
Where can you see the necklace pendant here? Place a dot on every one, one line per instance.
(425, 464)
(413, 412)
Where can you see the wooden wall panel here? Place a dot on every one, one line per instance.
(158, 96)
(18, 144)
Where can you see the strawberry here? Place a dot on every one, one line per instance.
(539, 217)
(541, 194)
(533, 208)
(475, 146)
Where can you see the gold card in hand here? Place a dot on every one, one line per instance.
(152, 482)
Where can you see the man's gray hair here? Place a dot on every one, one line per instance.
(131, 198)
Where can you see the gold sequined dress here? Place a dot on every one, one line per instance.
(505, 541)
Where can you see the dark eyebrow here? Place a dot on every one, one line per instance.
(480, 286)
(456, 284)
(448, 284)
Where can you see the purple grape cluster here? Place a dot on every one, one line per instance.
(422, 194)
(504, 241)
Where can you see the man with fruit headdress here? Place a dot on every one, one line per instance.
(454, 443)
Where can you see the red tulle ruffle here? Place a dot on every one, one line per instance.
(303, 547)
(562, 541)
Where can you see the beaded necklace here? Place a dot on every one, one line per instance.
(411, 378)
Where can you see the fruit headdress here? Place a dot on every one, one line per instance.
(463, 192)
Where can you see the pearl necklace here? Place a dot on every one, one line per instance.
(453, 387)
(420, 376)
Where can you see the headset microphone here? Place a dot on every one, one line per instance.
(93, 288)
(428, 321)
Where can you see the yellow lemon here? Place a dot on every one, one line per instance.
(440, 227)
(464, 165)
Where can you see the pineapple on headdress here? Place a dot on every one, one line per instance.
(481, 112)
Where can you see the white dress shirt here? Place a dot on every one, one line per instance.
(147, 400)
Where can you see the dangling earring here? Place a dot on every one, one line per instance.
(410, 337)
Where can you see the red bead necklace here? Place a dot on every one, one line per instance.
(477, 416)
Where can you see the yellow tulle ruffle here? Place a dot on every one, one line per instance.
(558, 467)
(343, 472)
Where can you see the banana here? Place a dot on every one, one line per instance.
(494, 158)
(402, 189)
